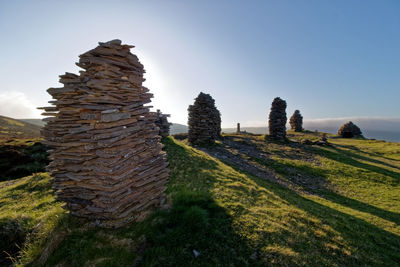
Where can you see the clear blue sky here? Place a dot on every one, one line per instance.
(327, 58)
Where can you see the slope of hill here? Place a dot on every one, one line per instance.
(38, 122)
(177, 128)
(278, 203)
(12, 128)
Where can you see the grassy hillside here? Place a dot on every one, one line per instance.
(177, 128)
(12, 128)
(336, 206)
(38, 122)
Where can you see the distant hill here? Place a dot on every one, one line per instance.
(177, 128)
(38, 122)
(12, 128)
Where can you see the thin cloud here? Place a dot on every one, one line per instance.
(17, 105)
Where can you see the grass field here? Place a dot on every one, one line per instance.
(228, 217)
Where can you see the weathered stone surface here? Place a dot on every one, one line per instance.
(204, 120)
(296, 121)
(349, 130)
(107, 161)
(277, 119)
(162, 123)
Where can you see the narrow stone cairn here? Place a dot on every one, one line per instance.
(162, 123)
(238, 128)
(277, 119)
(349, 130)
(106, 157)
(296, 121)
(204, 120)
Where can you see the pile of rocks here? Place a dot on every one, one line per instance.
(107, 161)
(162, 123)
(204, 120)
(349, 130)
(296, 121)
(277, 119)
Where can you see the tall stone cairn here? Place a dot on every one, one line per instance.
(277, 119)
(204, 120)
(162, 123)
(349, 130)
(296, 121)
(106, 157)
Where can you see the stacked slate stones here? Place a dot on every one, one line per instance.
(349, 130)
(107, 161)
(204, 120)
(162, 123)
(296, 121)
(277, 119)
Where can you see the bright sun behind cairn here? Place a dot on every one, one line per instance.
(106, 154)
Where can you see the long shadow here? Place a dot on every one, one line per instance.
(354, 155)
(344, 158)
(328, 193)
(362, 237)
(365, 152)
(313, 180)
(367, 241)
(195, 231)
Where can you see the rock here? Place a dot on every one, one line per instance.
(296, 121)
(196, 253)
(204, 120)
(349, 130)
(107, 161)
(162, 123)
(277, 119)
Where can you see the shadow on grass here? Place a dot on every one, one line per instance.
(315, 175)
(347, 158)
(366, 152)
(365, 240)
(195, 224)
(354, 155)
(195, 231)
(302, 241)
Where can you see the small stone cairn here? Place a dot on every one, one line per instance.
(277, 119)
(106, 157)
(204, 120)
(296, 121)
(349, 130)
(162, 123)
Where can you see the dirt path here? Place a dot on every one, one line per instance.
(246, 154)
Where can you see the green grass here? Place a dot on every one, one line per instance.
(28, 202)
(234, 219)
